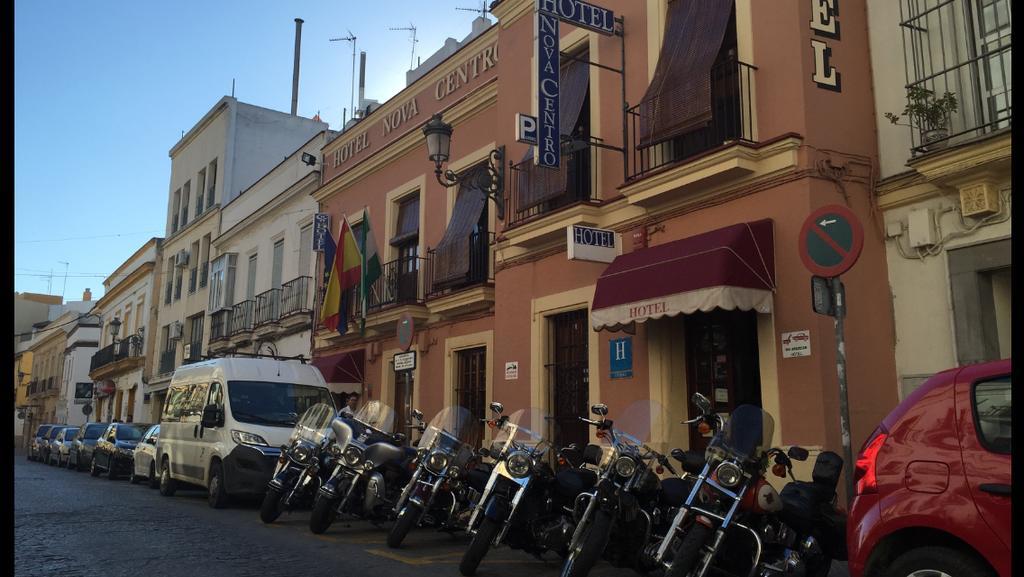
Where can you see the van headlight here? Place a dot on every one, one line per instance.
(436, 462)
(625, 467)
(244, 438)
(728, 474)
(353, 456)
(519, 464)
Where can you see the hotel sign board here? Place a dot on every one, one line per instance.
(592, 244)
(321, 229)
(546, 54)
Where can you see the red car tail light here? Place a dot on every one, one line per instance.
(864, 475)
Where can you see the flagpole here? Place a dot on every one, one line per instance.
(362, 272)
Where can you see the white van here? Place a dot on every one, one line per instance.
(224, 422)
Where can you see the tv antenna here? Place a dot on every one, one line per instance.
(482, 9)
(352, 98)
(412, 57)
(65, 279)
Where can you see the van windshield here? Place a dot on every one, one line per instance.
(274, 404)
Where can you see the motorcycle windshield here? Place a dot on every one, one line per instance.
(523, 428)
(450, 428)
(376, 415)
(315, 424)
(631, 429)
(746, 435)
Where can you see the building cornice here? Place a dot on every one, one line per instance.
(205, 121)
(309, 181)
(155, 241)
(123, 286)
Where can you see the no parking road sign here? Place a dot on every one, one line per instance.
(831, 240)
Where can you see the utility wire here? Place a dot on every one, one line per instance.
(86, 237)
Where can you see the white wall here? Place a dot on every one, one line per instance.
(889, 78)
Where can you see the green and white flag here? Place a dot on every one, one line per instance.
(371, 265)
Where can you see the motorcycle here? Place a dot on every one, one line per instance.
(439, 489)
(369, 471)
(735, 521)
(301, 466)
(524, 504)
(624, 507)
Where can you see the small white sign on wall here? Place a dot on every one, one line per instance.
(796, 344)
(592, 244)
(512, 370)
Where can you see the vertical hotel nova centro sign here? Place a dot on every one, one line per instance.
(546, 55)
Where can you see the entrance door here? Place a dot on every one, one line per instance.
(471, 386)
(721, 362)
(403, 402)
(131, 405)
(569, 377)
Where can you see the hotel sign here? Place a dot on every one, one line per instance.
(582, 14)
(825, 24)
(321, 230)
(592, 244)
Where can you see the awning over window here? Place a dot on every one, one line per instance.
(537, 184)
(729, 268)
(344, 367)
(679, 97)
(408, 225)
(451, 257)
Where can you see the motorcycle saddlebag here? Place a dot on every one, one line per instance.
(827, 469)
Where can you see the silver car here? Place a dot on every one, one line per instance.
(46, 447)
(35, 446)
(144, 459)
(62, 446)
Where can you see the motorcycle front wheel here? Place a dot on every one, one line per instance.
(323, 514)
(593, 541)
(479, 546)
(271, 508)
(406, 520)
(688, 553)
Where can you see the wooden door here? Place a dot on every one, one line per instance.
(569, 375)
(471, 386)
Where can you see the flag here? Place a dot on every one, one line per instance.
(371, 265)
(345, 273)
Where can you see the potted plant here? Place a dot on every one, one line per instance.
(930, 114)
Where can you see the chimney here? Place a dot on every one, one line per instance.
(87, 295)
(295, 71)
(362, 77)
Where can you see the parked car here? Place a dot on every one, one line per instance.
(47, 443)
(36, 444)
(80, 453)
(60, 446)
(932, 492)
(144, 459)
(114, 449)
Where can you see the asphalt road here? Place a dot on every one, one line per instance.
(69, 524)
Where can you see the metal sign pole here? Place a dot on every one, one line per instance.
(844, 404)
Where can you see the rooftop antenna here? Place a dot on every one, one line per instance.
(412, 57)
(482, 9)
(232, 88)
(65, 280)
(352, 98)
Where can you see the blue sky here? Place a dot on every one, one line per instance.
(104, 88)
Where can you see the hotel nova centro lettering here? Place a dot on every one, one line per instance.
(395, 120)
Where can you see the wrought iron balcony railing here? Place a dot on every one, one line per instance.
(537, 191)
(220, 323)
(479, 272)
(268, 307)
(167, 361)
(297, 296)
(129, 347)
(242, 316)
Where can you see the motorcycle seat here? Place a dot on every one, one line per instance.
(572, 482)
(674, 491)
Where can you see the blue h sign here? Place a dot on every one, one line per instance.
(547, 58)
(621, 357)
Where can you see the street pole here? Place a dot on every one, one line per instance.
(844, 403)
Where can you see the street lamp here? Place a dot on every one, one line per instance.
(115, 326)
(491, 181)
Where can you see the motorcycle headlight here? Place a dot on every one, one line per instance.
(244, 438)
(436, 462)
(302, 453)
(353, 456)
(519, 464)
(421, 454)
(728, 474)
(625, 467)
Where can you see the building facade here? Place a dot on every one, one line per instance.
(264, 301)
(227, 151)
(703, 156)
(946, 200)
(29, 309)
(125, 361)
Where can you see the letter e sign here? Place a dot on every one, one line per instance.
(825, 23)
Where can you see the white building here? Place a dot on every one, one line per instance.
(76, 390)
(263, 295)
(125, 361)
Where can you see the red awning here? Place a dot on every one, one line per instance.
(729, 268)
(344, 367)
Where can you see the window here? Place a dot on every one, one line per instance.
(992, 411)
(216, 395)
(276, 264)
(211, 182)
(200, 191)
(192, 408)
(169, 282)
(194, 337)
(222, 282)
(194, 268)
(184, 202)
(178, 275)
(306, 250)
(406, 241)
(175, 209)
(471, 387)
(250, 287)
(204, 266)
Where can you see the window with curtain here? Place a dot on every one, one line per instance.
(452, 260)
(305, 250)
(276, 264)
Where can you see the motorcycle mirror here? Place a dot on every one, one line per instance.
(483, 452)
(702, 402)
(797, 453)
(399, 437)
(497, 407)
(599, 409)
(417, 414)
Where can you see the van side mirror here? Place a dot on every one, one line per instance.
(213, 416)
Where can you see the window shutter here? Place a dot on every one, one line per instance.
(408, 226)
(451, 257)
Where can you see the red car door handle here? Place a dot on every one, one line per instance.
(996, 489)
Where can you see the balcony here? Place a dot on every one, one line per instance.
(297, 303)
(397, 291)
(537, 191)
(118, 358)
(731, 122)
(268, 312)
(473, 292)
(167, 361)
(241, 323)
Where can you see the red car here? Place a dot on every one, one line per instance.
(932, 493)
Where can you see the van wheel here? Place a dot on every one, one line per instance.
(154, 481)
(937, 561)
(218, 496)
(167, 485)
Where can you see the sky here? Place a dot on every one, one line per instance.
(104, 88)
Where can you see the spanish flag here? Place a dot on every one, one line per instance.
(345, 270)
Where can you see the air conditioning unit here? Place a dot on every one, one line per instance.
(181, 259)
(188, 351)
(175, 330)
